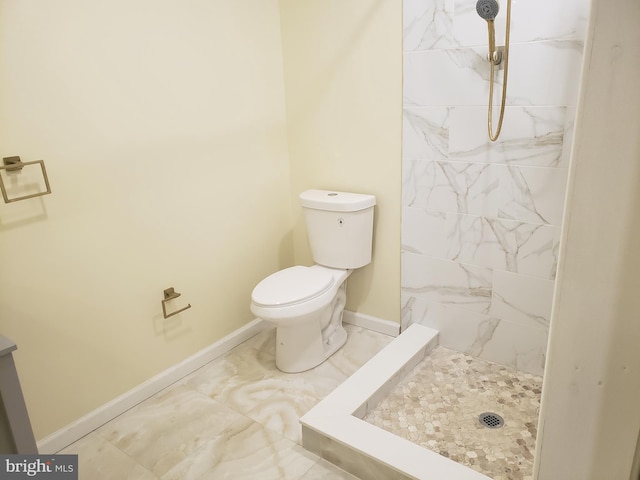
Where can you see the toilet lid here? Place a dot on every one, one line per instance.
(291, 285)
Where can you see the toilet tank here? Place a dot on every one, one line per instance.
(339, 226)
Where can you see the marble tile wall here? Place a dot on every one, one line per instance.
(481, 220)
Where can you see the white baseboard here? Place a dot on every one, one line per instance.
(98, 417)
(385, 327)
(88, 423)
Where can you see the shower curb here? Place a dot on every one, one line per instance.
(334, 428)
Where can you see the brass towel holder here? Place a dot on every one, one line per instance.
(14, 164)
(170, 294)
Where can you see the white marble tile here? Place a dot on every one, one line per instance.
(522, 347)
(506, 335)
(488, 337)
(526, 194)
(245, 450)
(282, 410)
(494, 205)
(243, 378)
(415, 175)
(428, 24)
(183, 434)
(531, 136)
(451, 187)
(458, 329)
(552, 20)
(517, 247)
(425, 232)
(165, 429)
(425, 133)
(442, 281)
(530, 21)
(530, 194)
(100, 460)
(294, 395)
(445, 78)
(545, 73)
(522, 299)
(461, 76)
(247, 380)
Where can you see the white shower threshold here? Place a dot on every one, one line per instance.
(334, 428)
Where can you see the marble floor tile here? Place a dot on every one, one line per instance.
(247, 380)
(300, 392)
(245, 450)
(282, 410)
(236, 417)
(162, 431)
(100, 460)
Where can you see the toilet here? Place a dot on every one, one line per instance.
(306, 303)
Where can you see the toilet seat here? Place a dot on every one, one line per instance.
(292, 286)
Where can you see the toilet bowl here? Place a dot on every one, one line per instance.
(306, 305)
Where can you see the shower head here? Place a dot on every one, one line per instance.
(488, 9)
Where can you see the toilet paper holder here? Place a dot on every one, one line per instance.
(170, 294)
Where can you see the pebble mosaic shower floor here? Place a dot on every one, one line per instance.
(438, 404)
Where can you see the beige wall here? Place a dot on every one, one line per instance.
(343, 79)
(590, 416)
(163, 129)
(162, 125)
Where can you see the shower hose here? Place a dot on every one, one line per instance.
(494, 136)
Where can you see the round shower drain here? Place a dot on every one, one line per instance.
(491, 420)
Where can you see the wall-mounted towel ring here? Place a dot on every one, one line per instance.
(170, 294)
(13, 164)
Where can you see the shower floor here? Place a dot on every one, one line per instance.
(437, 406)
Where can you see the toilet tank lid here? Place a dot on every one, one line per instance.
(336, 201)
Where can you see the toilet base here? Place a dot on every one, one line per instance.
(308, 338)
(301, 348)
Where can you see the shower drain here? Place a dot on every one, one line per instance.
(491, 420)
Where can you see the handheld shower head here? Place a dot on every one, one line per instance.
(488, 9)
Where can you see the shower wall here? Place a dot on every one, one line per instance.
(481, 220)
